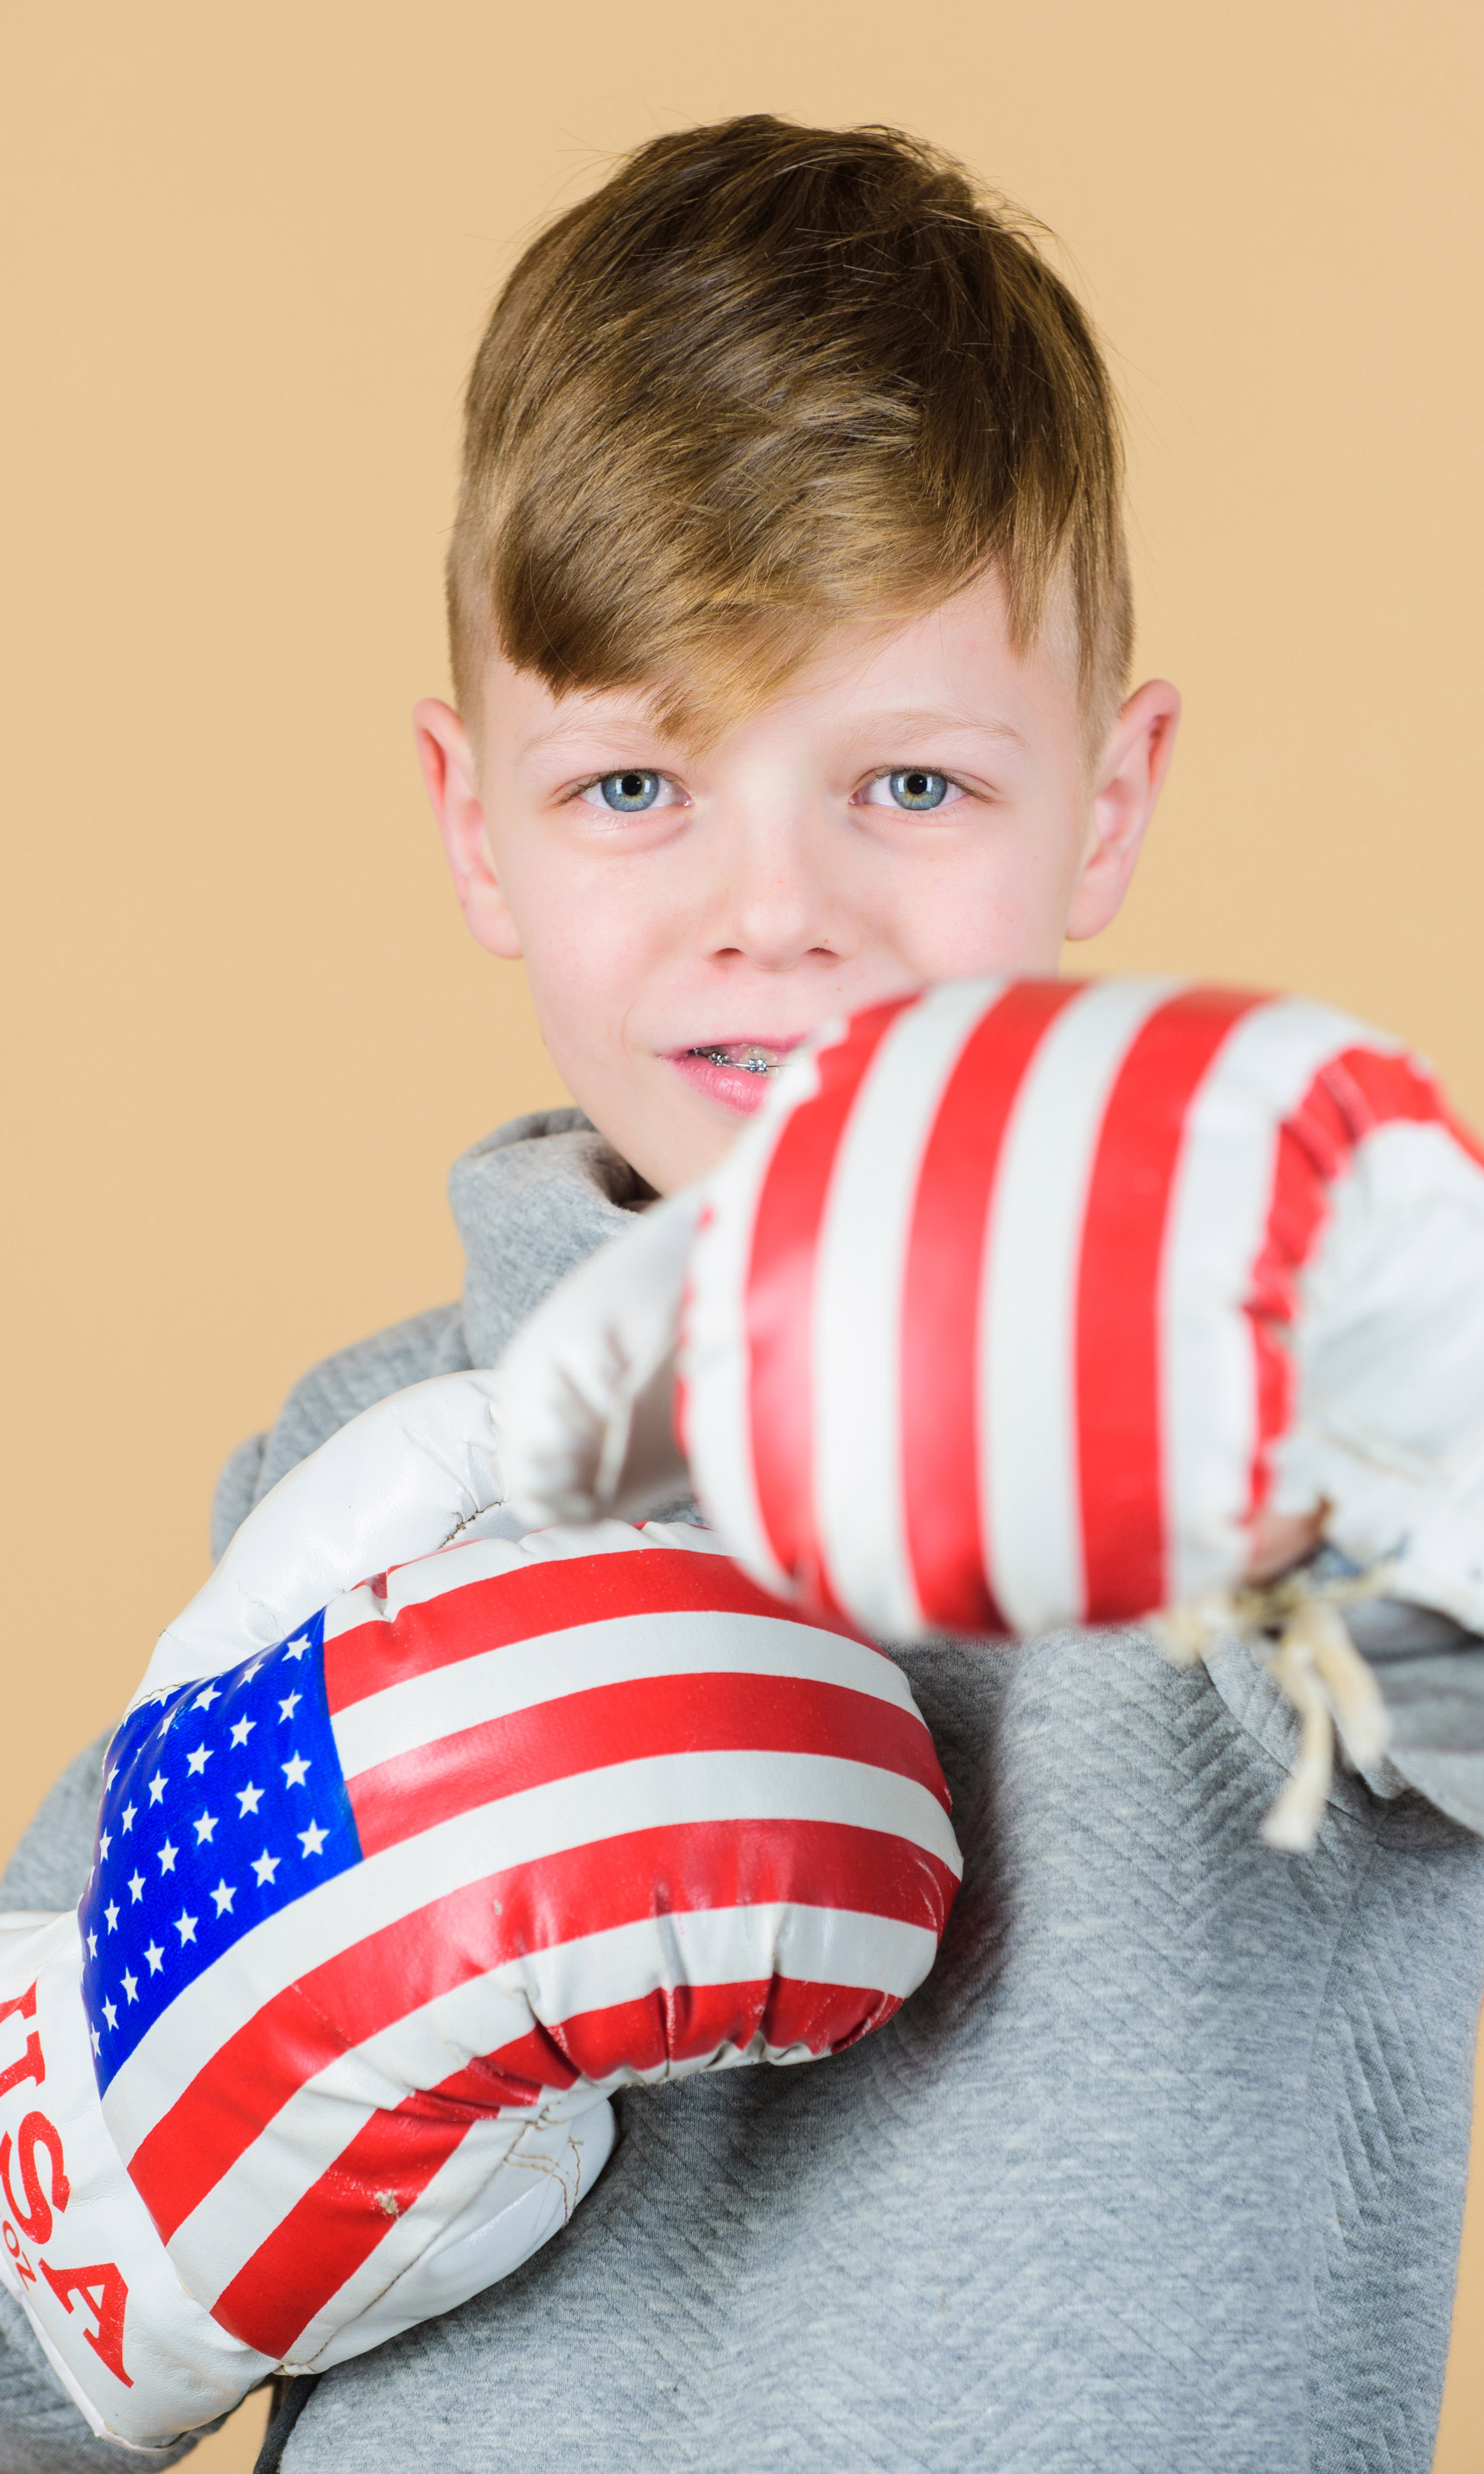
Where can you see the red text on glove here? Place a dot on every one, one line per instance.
(36, 2132)
(104, 2292)
(102, 2287)
(30, 2064)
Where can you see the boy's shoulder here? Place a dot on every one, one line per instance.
(529, 1202)
(323, 1401)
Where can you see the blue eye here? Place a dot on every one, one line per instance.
(915, 789)
(629, 792)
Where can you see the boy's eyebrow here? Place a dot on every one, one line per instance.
(928, 717)
(907, 717)
(561, 734)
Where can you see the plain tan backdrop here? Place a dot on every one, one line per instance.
(247, 257)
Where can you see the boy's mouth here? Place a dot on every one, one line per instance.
(737, 1072)
(744, 1056)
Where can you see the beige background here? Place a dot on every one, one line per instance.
(248, 253)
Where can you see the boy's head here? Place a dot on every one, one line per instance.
(789, 617)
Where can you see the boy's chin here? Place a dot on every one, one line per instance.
(676, 1132)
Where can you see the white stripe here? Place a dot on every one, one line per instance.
(857, 1323)
(489, 1558)
(715, 1946)
(1403, 1252)
(485, 2157)
(1220, 1198)
(524, 1674)
(215, 2243)
(455, 2239)
(1032, 1510)
(678, 1789)
(716, 1361)
(446, 2246)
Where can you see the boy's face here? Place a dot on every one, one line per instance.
(916, 806)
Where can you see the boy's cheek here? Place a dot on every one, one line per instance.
(583, 1025)
(977, 919)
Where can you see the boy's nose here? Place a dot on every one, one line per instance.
(777, 909)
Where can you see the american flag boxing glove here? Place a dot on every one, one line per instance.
(1024, 1300)
(1021, 1302)
(380, 1914)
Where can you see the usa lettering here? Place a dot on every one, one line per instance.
(31, 2066)
(37, 2191)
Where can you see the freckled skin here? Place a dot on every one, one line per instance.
(775, 881)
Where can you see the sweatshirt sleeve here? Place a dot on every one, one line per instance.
(41, 2431)
(340, 1387)
(1435, 1696)
(50, 1867)
(1431, 1674)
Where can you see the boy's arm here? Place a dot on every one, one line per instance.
(1434, 1687)
(50, 1867)
(41, 2431)
(329, 1396)
(326, 1399)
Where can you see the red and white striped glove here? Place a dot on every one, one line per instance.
(387, 1898)
(1031, 1304)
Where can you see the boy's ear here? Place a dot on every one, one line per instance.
(1127, 780)
(453, 781)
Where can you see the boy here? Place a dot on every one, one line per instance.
(790, 633)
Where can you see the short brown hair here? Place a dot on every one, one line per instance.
(765, 380)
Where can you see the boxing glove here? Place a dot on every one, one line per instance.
(381, 1912)
(1028, 1303)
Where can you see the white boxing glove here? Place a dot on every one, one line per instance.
(381, 1911)
(1023, 1303)
(410, 1475)
(400, 1480)
(140, 2357)
(585, 1391)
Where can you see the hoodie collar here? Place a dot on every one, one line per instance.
(531, 1202)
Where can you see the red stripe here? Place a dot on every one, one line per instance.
(676, 1870)
(666, 2028)
(779, 1302)
(561, 1594)
(338, 2222)
(1350, 1096)
(642, 1718)
(941, 1471)
(521, 2073)
(670, 2025)
(337, 2225)
(1119, 1301)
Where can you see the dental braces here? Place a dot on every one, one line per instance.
(746, 1060)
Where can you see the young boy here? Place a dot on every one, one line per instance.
(790, 633)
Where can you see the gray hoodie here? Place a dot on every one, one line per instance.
(1163, 2167)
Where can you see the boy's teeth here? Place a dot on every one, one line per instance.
(746, 1056)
